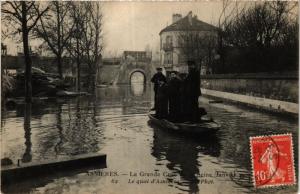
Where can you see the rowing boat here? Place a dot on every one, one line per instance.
(205, 126)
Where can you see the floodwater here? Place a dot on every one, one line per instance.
(141, 158)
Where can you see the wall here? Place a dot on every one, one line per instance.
(107, 74)
(277, 86)
(258, 102)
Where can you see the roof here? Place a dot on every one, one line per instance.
(184, 25)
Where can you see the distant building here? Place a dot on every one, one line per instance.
(111, 61)
(172, 56)
(139, 56)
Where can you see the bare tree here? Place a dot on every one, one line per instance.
(97, 20)
(24, 16)
(260, 25)
(199, 47)
(75, 49)
(92, 38)
(86, 42)
(262, 33)
(230, 10)
(55, 29)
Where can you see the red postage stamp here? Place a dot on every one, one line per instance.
(272, 160)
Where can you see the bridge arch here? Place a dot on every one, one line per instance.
(137, 70)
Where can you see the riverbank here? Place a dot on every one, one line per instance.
(272, 92)
(270, 105)
(282, 86)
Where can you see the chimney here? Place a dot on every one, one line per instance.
(176, 17)
(190, 17)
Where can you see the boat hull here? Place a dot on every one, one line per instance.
(192, 128)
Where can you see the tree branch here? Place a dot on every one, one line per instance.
(38, 16)
(16, 14)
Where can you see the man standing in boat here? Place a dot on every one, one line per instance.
(174, 94)
(161, 111)
(192, 93)
(157, 77)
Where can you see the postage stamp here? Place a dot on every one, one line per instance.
(272, 160)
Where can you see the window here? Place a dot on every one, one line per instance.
(169, 40)
(168, 59)
(181, 58)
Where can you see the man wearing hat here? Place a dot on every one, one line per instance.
(156, 79)
(174, 95)
(192, 93)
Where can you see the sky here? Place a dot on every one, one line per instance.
(134, 25)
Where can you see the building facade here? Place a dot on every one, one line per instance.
(187, 38)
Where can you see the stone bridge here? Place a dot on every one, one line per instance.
(121, 73)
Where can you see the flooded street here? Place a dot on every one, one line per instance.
(114, 121)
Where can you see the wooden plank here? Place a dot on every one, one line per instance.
(14, 172)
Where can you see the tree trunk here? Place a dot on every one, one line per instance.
(92, 77)
(28, 86)
(59, 66)
(222, 54)
(78, 64)
(27, 157)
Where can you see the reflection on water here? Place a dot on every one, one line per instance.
(114, 121)
(27, 119)
(137, 89)
(183, 160)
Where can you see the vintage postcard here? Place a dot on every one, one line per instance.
(146, 97)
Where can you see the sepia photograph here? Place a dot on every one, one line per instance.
(148, 97)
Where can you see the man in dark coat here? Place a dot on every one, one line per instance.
(192, 93)
(155, 79)
(162, 100)
(174, 93)
(183, 97)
